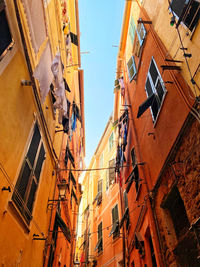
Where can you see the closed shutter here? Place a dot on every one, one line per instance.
(111, 171)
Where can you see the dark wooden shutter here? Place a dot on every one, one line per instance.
(100, 231)
(153, 72)
(40, 161)
(5, 35)
(177, 6)
(148, 87)
(22, 183)
(34, 145)
(74, 38)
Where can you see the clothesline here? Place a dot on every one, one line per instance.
(99, 169)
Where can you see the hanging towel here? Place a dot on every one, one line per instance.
(43, 73)
(34, 12)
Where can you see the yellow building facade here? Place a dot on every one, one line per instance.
(39, 75)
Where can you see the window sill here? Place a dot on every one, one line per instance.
(13, 208)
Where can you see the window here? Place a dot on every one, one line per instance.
(111, 141)
(99, 245)
(133, 156)
(132, 29)
(101, 161)
(107, 180)
(27, 183)
(126, 212)
(115, 222)
(98, 197)
(6, 41)
(134, 176)
(188, 12)
(175, 205)
(153, 258)
(132, 71)
(155, 90)
(139, 244)
(111, 171)
(74, 38)
(100, 186)
(139, 39)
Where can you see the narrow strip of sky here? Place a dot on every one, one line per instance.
(100, 29)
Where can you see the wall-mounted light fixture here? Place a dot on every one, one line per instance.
(62, 187)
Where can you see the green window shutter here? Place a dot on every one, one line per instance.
(132, 30)
(132, 71)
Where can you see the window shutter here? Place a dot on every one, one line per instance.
(74, 38)
(132, 71)
(177, 6)
(40, 161)
(31, 196)
(125, 199)
(27, 183)
(34, 145)
(133, 157)
(132, 30)
(149, 102)
(100, 185)
(111, 171)
(22, 183)
(141, 32)
(153, 72)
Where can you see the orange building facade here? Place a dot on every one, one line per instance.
(155, 167)
(101, 241)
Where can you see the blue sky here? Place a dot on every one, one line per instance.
(100, 29)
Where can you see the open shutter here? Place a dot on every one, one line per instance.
(132, 71)
(74, 38)
(146, 104)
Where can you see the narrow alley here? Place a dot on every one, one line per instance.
(100, 138)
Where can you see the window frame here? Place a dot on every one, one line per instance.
(3, 8)
(154, 90)
(111, 172)
(115, 221)
(100, 237)
(131, 66)
(111, 141)
(101, 160)
(22, 202)
(187, 7)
